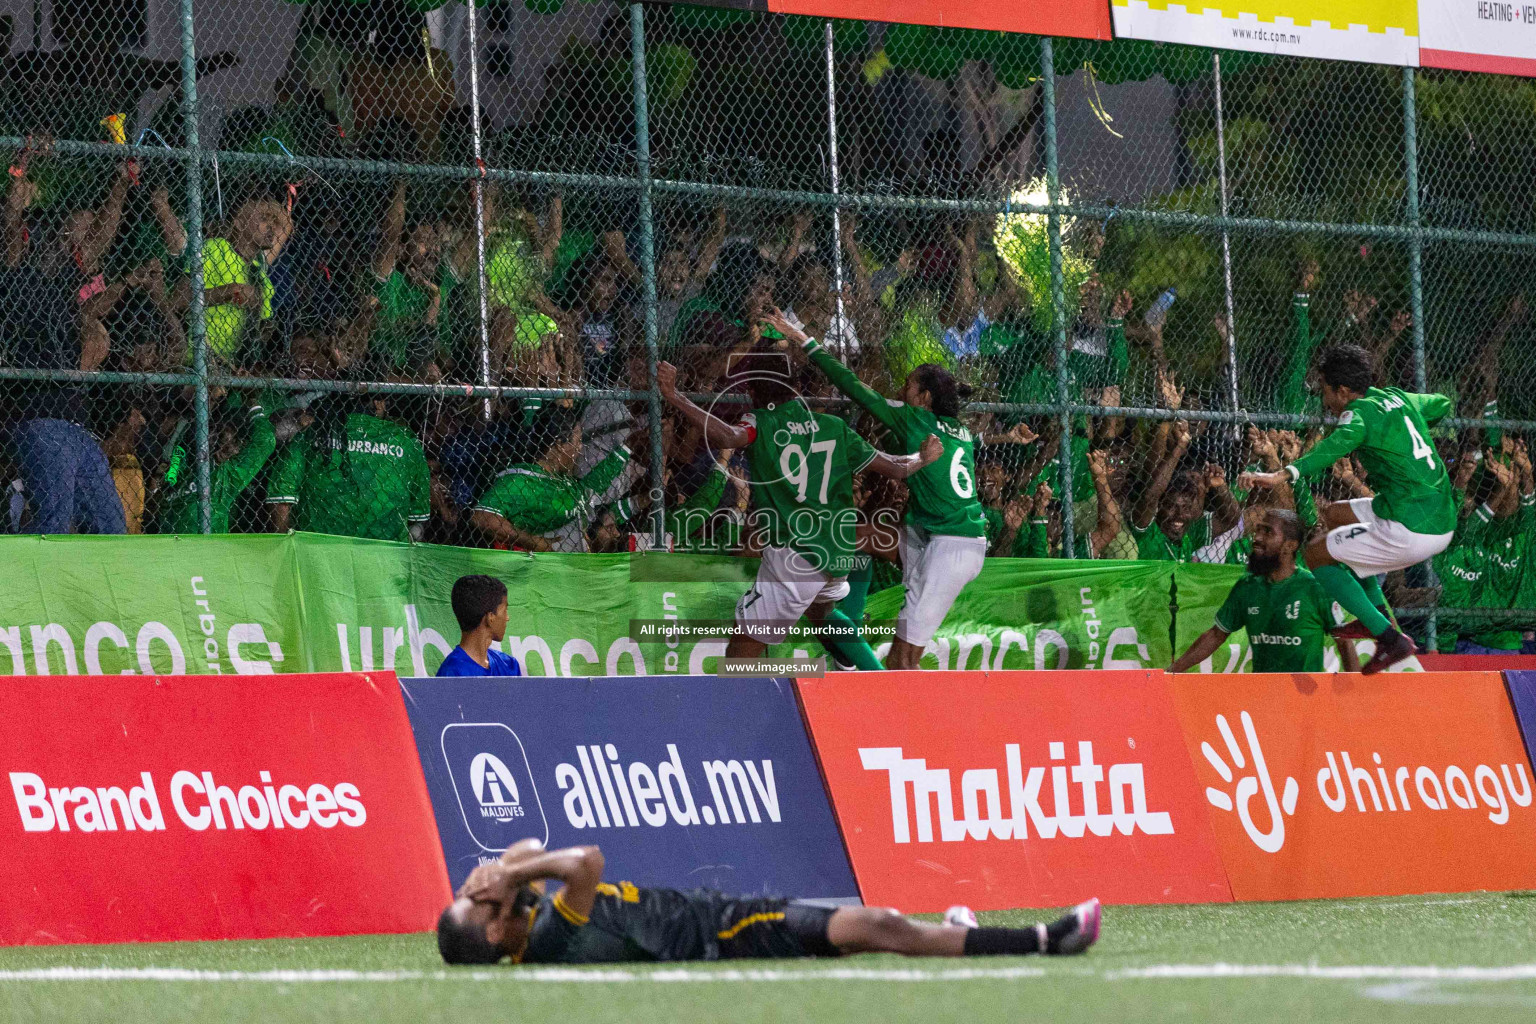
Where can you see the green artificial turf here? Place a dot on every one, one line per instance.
(1423, 958)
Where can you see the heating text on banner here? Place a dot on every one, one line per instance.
(197, 807)
(1013, 789)
(683, 782)
(1340, 785)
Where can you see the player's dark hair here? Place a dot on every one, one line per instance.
(464, 942)
(553, 425)
(1183, 483)
(475, 597)
(764, 375)
(1348, 366)
(947, 392)
(1288, 521)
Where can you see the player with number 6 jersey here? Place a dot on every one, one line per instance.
(1412, 516)
(944, 540)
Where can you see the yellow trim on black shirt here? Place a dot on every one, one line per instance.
(564, 910)
(747, 922)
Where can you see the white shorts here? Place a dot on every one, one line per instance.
(786, 585)
(935, 567)
(1374, 546)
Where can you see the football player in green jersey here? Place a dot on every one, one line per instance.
(802, 465)
(1411, 518)
(502, 910)
(944, 539)
(1281, 605)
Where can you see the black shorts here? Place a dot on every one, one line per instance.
(771, 928)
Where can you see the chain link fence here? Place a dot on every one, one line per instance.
(395, 270)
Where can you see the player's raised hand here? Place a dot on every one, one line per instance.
(774, 318)
(666, 380)
(930, 450)
(1264, 481)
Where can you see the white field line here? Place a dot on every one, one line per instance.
(565, 975)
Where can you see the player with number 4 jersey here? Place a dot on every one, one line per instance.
(944, 540)
(1412, 516)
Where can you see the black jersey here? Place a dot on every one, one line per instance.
(631, 923)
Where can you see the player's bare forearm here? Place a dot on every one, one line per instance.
(1349, 660)
(718, 433)
(899, 467)
(1203, 647)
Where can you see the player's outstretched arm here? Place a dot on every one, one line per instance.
(1204, 646)
(718, 433)
(899, 467)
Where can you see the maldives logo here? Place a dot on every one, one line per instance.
(1251, 782)
(494, 787)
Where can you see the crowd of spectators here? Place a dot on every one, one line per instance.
(295, 290)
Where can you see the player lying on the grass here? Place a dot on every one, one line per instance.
(1282, 606)
(502, 911)
(1411, 518)
(803, 464)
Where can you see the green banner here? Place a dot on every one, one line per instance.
(261, 603)
(1026, 613)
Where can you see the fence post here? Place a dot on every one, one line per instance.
(197, 328)
(479, 187)
(1226, 246)
(1058, 296)
(648, 264)
(1416, 285)
(837, 210)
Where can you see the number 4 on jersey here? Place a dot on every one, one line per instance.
(1421, 450)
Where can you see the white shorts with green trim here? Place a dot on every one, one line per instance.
(786, 585)
(1374, 546)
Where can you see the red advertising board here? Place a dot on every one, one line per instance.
(1513, 661)
(213, 807)
(1343, 785)
(1085, 19)
(1013, 789)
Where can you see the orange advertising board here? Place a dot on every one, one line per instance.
(1013, 789)
(1340, 785)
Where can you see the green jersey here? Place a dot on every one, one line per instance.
(1153, 545)
(944, 492)
(1388, 430)
(401, 333)
(802, 482)
(369, 480)
(1287, 622)
(226, 482)
(539, 502)
(1503, 543)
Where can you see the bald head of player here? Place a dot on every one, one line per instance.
(765, 376)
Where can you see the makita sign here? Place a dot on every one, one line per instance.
(683, 781)
(1043, 800)
(1008, 789)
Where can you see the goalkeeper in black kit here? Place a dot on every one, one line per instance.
(503, 911)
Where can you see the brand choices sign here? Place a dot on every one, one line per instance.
(1012, 789)
(1328, 786)
(211, 807)
(683, 781)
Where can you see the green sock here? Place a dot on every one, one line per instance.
(850, 647)
(1345, 587)
(858, 589)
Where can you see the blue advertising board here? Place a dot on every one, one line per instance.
(683, 781)
(1522, 694)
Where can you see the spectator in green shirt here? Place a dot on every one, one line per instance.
(236, 463)
(530, 503)
(353, 473)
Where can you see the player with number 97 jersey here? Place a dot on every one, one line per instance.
(943, 542)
